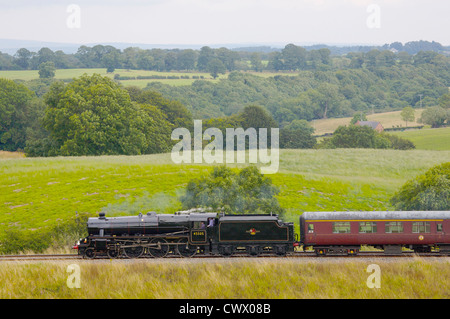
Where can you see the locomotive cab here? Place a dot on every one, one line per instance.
(202, 227)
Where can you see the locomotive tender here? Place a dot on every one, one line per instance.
(327, 233)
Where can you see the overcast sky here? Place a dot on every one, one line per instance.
(226, 21)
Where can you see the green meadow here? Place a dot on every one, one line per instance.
(39, 193)
(67, 74)
(428, 138)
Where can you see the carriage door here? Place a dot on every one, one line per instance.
(198, 232)
(310, 233)
(440, 231)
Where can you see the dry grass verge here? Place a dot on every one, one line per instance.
(228, 278)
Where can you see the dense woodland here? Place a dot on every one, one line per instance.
(94, 115)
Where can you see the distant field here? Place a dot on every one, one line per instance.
(36, 193)
(5, 154)
(27, 75)
(387, 119)
(428, 139)
(437, 139)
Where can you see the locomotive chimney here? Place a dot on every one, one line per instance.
(101, 215)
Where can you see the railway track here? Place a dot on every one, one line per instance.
(39, 257)
(362, 254)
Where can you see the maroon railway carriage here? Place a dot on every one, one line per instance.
(345, 232)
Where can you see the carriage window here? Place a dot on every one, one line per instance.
(439, 227)
(394, 227)
(341, 227)
(310, 228)
(421, 227)
(367, 227)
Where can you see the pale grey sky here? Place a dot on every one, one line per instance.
(226, 21)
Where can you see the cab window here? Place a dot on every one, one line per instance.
(199, 225)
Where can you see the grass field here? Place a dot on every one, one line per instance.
(37, 193)
(248, 279)
(5, 155)
(428, 139)
(27, 75)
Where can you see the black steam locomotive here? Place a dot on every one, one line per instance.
(186, 234)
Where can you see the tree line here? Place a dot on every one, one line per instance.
(206, 59)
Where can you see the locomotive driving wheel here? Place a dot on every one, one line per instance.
(184, 249)
(89, 253)
(159, 248)
(113, 252)
(134, 252)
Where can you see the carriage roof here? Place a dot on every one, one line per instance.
(376, 215)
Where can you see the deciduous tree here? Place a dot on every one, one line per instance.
(435, 116)
(47, 70)
(216, 67)
(245, 192)
(94, 116)
(407, 114)
(14, 114)
(430, 191)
